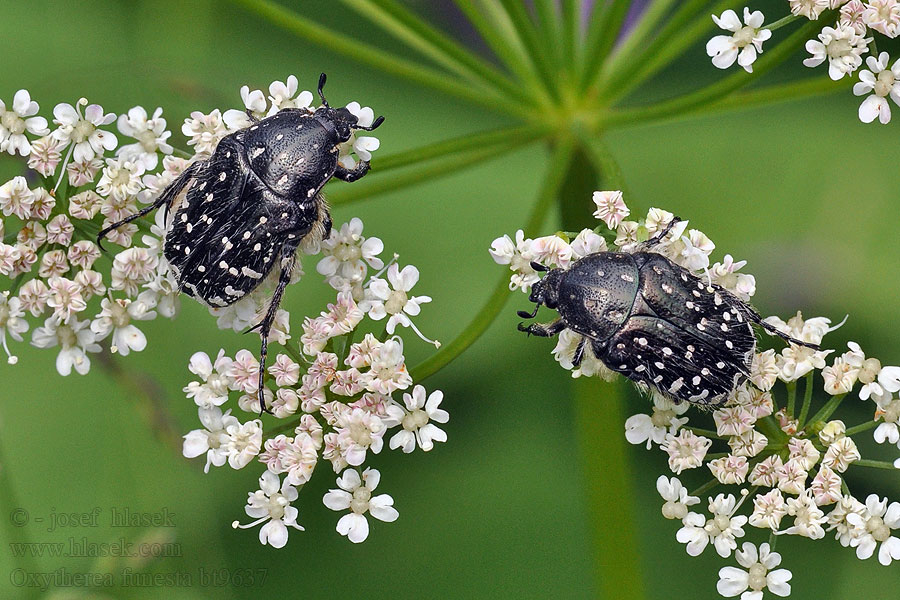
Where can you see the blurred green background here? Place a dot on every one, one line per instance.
(803, 191)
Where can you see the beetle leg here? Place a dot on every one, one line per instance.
(660, 236)
(165, 197)
(548, 330)
(265, 326)
(579, 352)
(756, 318)
(349, 175)
(251, 116)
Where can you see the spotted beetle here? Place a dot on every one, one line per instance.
(653, 321)
(233, 218)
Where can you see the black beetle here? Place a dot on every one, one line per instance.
(232, 218)
(653, 321)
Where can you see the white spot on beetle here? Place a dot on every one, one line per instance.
(251, 273)
(659, 365)
(696, 380)
(257, 247)
(628, 278)
(256, 152)
(676, 385)
(223, 265)
(728, 344)
(247, 235)
(201, 268)
(667, 351)
(222, 176)
(184, 217)
(667, 288)
(720, 365)
(263, 220)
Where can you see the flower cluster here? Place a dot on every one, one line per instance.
(81, 177)
(845, 43)
(782, 464)
(337, 395)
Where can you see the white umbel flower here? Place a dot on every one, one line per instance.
(356, 495)
(271, 504)
(743, 45)
(882, 82)
(760, 574)
(416, 420)
(842, 46)
(876, 526)
(18, 119)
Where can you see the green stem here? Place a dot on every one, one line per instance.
(553, 33)
(807, 400)
(861, 428)
(826, 411)
(443, 148)
(599, 407)
(386, 61)
(511, 54)
(417, 174)
(792, 397)
(713, 93)
(705, 487)
(537, 49)
(572, 46)
(781, 22)
(875, 464)
(669, 43)
(769, 427)
(407, 27)
(773, 94)
(637, 37)
(483, 319)
(706, 433)
(602, 33)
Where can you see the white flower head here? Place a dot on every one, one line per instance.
(84, 130)
(18, 119)
(676, 496)
(743, 45)
(212, 440)
(151, 136)
(760, 574)
(611, 208)
(876, 527)
(392, 298)
(721, 529)
(271, 504)
(883, 16)
(842, 46)
(355, 494)
(882, 82)
(653, 429)
(417, 421)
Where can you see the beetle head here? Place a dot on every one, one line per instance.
(544, 291)
(343, 121)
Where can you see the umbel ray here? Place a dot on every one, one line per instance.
(234, 217)
(653, 321)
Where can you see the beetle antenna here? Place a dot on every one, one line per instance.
(321, 93)
(539, 267)
(374, 125)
